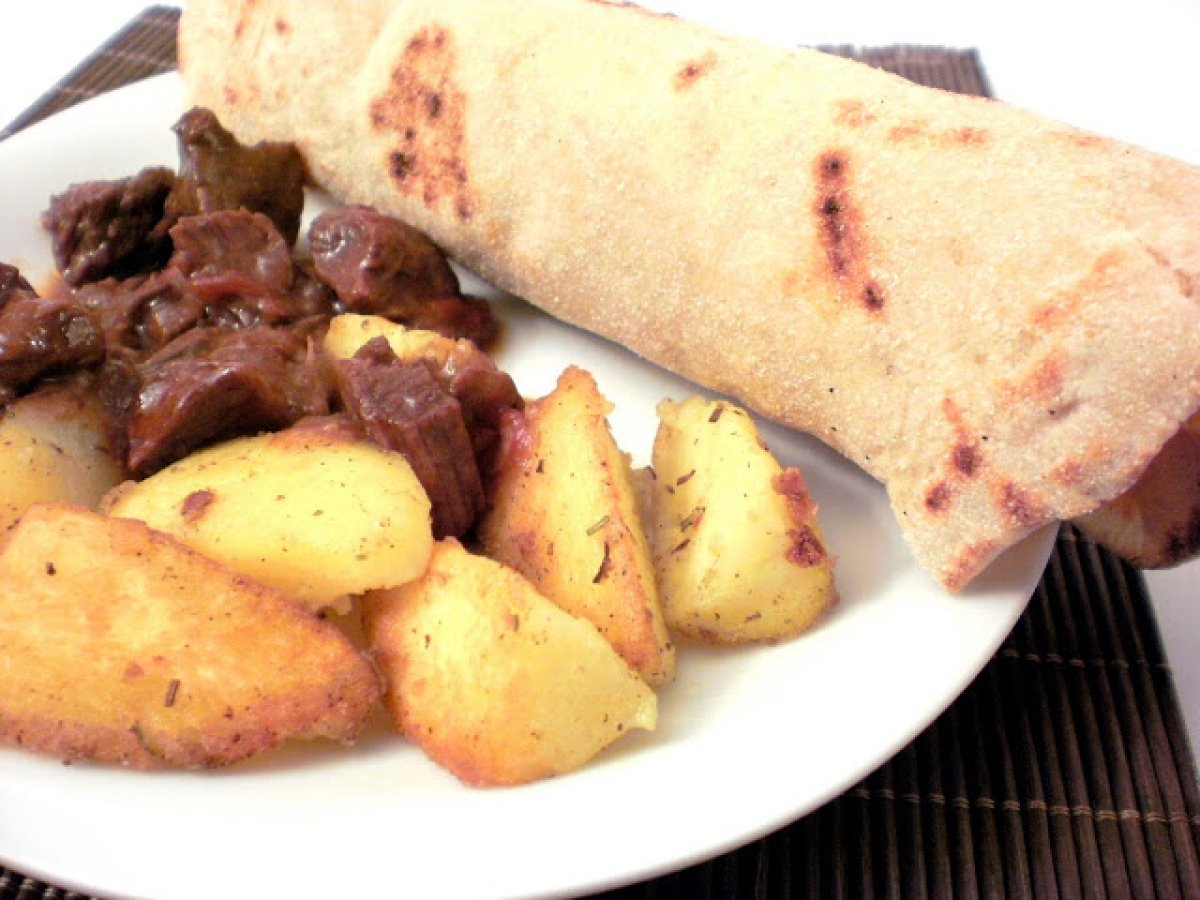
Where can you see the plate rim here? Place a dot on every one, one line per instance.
(1037, 548)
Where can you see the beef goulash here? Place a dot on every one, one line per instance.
(187, 314)
(995, 315)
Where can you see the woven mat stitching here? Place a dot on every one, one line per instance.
(890, 795)
(144, 47)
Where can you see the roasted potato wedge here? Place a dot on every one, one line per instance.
(349, 331)
(565, 515)
(53, 448)
(737, 547)
(120, 644)
(315, 511)
(494, 681)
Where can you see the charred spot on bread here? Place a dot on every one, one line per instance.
(873, 296)
(967, 563)
(1045, 381)
(906, 130)
(919, 129)
(399, 165)
(832, 166)
(423, 106)
(1022, 509)
(966, 457)
(967, 454)
(937, 498)
(693, 70)
(1069, 472)
(963, 462)
(852, 113)
(1082, 139)
(246, 11)
(842, 235)
(837, 222)
(970, 135)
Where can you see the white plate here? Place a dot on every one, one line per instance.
(749, 739)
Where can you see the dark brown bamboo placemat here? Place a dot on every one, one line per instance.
(1063, 771)
(144, 47)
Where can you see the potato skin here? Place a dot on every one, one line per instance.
(55, 439)
(492, 680)
(315, 511)
(120, 644)
(738, 551)
(565, 515)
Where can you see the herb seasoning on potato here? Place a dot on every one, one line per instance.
(738, 552)
(229, 442)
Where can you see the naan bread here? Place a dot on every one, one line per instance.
(994, 314)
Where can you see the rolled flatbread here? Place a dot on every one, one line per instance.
(994, 314)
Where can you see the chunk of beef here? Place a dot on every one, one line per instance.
(103, 228)
(142, 313)
(310, 295)
(240, 268)
(401, 406)
(376, 263)
(216, 173)
(211, 383)
(237, 241)
(118, 380)
(229, 269)
(458, 317)
(484, 392)
(233, 300)
(380, 266)
(11, 281)
(41, 336)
